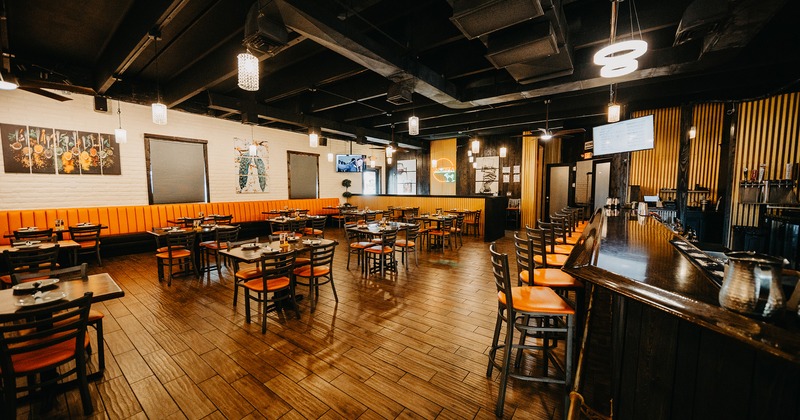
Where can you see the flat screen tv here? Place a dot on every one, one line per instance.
(624, 136)
(350, 163)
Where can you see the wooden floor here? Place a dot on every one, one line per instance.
(411, 346)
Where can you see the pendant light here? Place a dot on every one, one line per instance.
(313, 137)
(476, 146)
(388, 160)
(248, 71)
(614, 109)
(120, 134)
(330, 152)
(159, 110)
(692, 133)
(253, 149)
(619, 58)
(413, 125)
(503, 152)
(372, 161)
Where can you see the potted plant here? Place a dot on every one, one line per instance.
(346, 183)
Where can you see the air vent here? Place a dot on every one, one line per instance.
(522, 43)
(479, 17)
(262, 33)
(400, 92)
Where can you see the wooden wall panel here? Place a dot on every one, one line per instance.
(705, 147)
(769, 133)
(658, 167)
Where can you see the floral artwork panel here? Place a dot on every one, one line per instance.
(109, 155)
(16, 150)
(42, 144)
(67, 152)
(252, 170)
(89, 152)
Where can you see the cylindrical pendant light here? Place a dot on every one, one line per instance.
(120, 134)
(471, 159)
(503, 152)
(313, 137)
(159, 113)
(253, 150)
(613, 112)
(413, 125)
(476, 146)
(248, 71)
(388, 160)
(330, 157)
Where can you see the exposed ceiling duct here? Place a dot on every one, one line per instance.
(263, 31)
(479, 17)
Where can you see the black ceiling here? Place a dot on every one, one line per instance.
(475, 67)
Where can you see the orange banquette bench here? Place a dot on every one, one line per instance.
(124, 220)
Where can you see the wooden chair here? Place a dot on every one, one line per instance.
(223, 220)
(78, 272)
(320, 267)
(188, 222)
(553, 246)
(380, 257)
(408, 245)
(241, 275)
(180, 253)
(541, 256)
(33, 260)
(222, 235)
(44, 235)
(438, 235)
(561, 231)
(473, 223)
(88, 237)
(356, 246)
(317, 227)
(371, 216)
(553, 278)
(534, 311)
(276, 279)
(47, 343)
(458, 229)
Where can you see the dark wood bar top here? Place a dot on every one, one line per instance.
(632, 256)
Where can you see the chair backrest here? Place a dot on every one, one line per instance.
(39, 329)
(412, 232)
(476, 217)
(370, 216)
(319, 222)
(538, 243)
(296, 225)
(190, 221)
(34, 235)
(180, 239)
(277, 265)
(438, 210)
(502, 278)
(560, 228)
(223, 220)
(446, 224)
(227, 234)
(389, 237)
(323, 255)
(410, 214)
(549, 234)
(69, 273)
(522, 249)
(513, 203)
(459, 221)
(31, 260)
(85, 233)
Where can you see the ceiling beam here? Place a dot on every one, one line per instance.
(324, 68)
(228, 104)
(132, 38)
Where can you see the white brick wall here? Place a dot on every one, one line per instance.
(31, 191)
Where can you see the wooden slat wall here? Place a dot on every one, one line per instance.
(658, 167)
(768, 132)
(425, 204)
(531, 187)
(705, 148)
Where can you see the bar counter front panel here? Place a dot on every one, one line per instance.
(675, 353)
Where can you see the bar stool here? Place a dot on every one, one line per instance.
(553, 246)
(540, 255)
(561, 230)
(517, 307)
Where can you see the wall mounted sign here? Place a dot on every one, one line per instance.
(445, 171)
(42, 150)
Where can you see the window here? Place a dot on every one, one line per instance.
(303, 175)
(177, 170)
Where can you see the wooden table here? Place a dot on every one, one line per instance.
(284, 212)
(250, 256)
(161, 232)
(59, 231)
(102, 286)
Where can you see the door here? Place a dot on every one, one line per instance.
(558, 188)
(372, 181)
(601, 174)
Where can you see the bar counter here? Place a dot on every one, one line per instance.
(675, 352)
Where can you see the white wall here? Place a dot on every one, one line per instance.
(29, 191)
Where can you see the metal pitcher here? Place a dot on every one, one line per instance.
(752, 284)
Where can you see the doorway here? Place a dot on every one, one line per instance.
(601, 175)
(371, 181)
(558, 188)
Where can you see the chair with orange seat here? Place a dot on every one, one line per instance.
(45, 235)
(563, 234)
(78, 272)
(317, 226)
(222, 235)
(540, 254)
(380, 256)
(438, 235)
(473, 223)
(276, 279)
(40, 260)
(318, 272)
(241, 275)
(88, 237)
(554, 278)
(553, 246)
(356, 246)
(179, 253)
(408, 245)
(540, 316)
(47, 343)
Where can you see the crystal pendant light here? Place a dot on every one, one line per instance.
(248, 71)
(413, 125)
